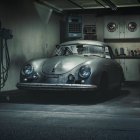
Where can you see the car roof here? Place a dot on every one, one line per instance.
(90, 42)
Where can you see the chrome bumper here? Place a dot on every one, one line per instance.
(52, 87)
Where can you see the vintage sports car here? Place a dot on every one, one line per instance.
(75, 65)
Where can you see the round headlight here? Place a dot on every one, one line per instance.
(84, 72)
(27, 70)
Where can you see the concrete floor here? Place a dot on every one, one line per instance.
(61, 116)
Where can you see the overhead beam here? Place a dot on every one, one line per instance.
(99, 3)
(110, 4)
(56, 9)
(76, 4)
(106, 11)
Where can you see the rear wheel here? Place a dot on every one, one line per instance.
(118, 88)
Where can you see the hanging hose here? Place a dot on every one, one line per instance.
(4, 63)
(5, 34)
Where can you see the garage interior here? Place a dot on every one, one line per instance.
(31, 29)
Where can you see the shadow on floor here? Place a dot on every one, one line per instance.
(60, 98)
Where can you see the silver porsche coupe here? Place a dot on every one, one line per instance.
(75, 65)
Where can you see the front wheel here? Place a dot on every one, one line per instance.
(104, 83)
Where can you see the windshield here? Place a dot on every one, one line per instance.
(80, 49)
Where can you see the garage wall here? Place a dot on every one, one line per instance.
(52, 34)
(100, 28)
(128, 44)
(34, 30)
(122, 38)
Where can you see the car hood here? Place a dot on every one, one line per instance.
(62, 64)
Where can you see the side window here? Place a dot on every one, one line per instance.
(96, 49)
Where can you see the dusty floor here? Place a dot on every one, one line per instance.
(61, 116)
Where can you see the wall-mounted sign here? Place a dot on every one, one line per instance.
(75, 26)
(90, 32)
(111, 26)
(132, 26)
(89, 29)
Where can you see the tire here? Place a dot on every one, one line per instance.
(104, 83)
(118, 88)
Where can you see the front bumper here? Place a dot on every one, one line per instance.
(56, 87)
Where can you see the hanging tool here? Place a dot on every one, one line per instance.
(5, 34)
